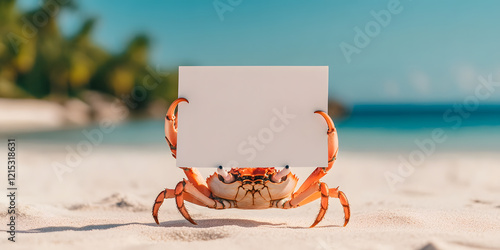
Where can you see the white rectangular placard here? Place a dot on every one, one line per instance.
(255, 116)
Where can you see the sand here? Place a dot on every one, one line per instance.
(451, 201)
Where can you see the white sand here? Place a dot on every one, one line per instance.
(452, 201)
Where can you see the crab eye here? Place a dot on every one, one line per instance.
(228, 178)
(278, 176)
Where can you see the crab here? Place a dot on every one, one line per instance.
(250, 188)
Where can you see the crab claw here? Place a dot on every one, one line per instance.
(228, 178)
(333, 140)
(171, 125)
(277, 177)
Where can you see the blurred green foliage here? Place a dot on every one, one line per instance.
(37, 61)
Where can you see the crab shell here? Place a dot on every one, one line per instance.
(252, 187)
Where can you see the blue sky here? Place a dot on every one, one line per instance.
(430, 52)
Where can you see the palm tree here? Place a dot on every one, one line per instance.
(37, 60)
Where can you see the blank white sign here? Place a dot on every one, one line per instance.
(252, 116)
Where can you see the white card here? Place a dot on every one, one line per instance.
(255, 116)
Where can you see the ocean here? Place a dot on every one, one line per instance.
(359, 132)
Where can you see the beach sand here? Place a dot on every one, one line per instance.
(451, 201)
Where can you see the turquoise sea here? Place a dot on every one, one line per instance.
(367, 129)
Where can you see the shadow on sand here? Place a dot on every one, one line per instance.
(202, 223)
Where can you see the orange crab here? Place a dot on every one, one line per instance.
(250, 188)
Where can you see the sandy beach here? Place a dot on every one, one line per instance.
(451, 201)
(413, 88)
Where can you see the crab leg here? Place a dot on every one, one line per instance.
(185, 190)
(324, 203)
(194, 176)
(316, 191)
(170, 193)
(171, 125)
(179, 200)
(165, 194)
(333, 147)
(335, 193)
(198, 182)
